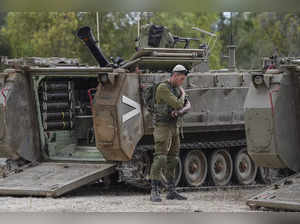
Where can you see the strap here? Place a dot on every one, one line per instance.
(181, 127)
(154, 91)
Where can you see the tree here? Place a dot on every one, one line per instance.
(42, 34)
(4, 43)
(54, 34)
(261, 34)
(238, 29)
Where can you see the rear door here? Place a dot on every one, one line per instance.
(53, 179)
(283, 195)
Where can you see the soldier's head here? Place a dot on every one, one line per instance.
(179, 74)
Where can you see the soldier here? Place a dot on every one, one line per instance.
(170, 104)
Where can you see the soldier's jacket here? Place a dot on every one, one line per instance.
(168, 98)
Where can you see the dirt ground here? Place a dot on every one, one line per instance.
(125, 198)
(95, 198)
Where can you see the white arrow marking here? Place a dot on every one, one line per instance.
(130, 114)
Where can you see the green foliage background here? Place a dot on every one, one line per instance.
(53, 34)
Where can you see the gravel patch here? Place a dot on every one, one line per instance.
(95, 198)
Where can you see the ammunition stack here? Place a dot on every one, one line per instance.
(57, 105)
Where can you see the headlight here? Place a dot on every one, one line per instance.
(258, 80)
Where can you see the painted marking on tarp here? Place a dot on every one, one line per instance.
(134, 112)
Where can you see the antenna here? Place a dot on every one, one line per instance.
(139, 24)
(98, 29)
(231, 47)
(212, 36)
(204, 31)
(231, 29)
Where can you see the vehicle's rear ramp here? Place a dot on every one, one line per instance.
(53, 179)
(284, 195)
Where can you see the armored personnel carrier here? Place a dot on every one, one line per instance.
(69, 124)
(272, 129)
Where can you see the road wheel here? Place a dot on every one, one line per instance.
(140, 176)
(263, 175)
(143, 164)
(245, 169)
(220, 167)
(178, 174)
(195, 168)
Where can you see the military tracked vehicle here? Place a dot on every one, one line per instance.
(76, 124)
(272, 126)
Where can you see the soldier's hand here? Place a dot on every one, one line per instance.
(185, 109)
(174, 114)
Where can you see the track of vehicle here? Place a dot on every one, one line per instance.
(225, 188)
(202, 165)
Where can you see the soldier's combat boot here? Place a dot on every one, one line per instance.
(155, 193)
(172, 193)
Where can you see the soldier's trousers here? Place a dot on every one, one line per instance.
(167, 146)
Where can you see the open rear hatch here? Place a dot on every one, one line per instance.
(53, 179)
(283, 195)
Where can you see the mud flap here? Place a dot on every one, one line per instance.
(283, 195)
(53, 179)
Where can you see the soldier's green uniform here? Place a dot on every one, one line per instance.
(168, 99)
(166, 130)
